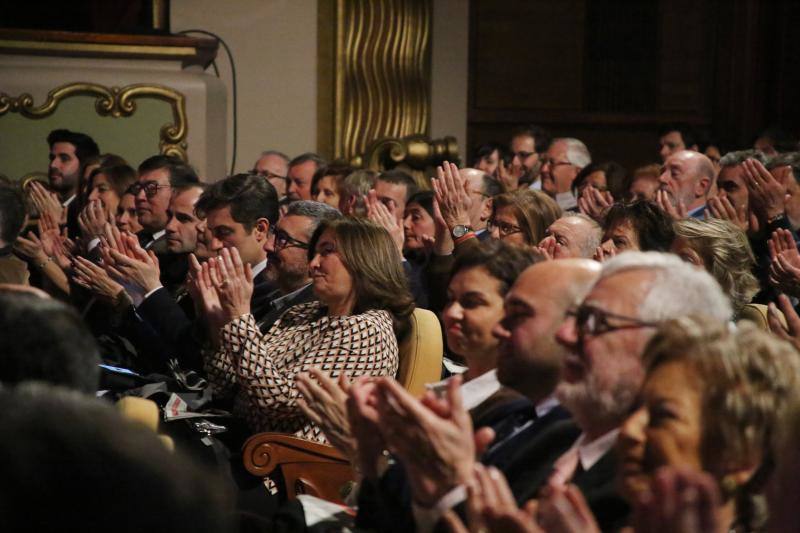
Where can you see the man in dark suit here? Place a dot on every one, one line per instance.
(529, 361)
(69, 152)
(159, 177)
(241, 212)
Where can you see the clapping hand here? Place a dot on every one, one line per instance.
(594, 203)
(452, 196)
(233, 282)
(381, 215)
(324, 402)
(675, 212)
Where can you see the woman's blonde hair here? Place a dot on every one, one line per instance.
(374, 262)
(749, 379)
(726, 254)
(534, 211)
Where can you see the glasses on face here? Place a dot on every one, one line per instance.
(267, 174)
(284, 240)
(522, 155)
(593, 321)
(553, 163)
(150, 188)
(503, 228)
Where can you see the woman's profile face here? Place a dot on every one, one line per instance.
(416, 223)
(681, 248)
(622, 236)
(332, 282)
(102, 190)
(328, 191)
(474, 307)
(666, 429)
(506, 227)
(489, 163)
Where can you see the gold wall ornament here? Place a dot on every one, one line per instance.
(111, 101)
(414, 151)
(374, 73)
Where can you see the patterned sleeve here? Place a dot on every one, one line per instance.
(220, 366)
(359, 345)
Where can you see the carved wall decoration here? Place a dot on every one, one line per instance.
(114, 101)
(374, 73)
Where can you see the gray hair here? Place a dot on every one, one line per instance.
(577, 153)
(275, 153)
(788, 159)
(491, 187)
(316, 211)
(588, 246)
(732, 159)
(358, 184)
(677, 290)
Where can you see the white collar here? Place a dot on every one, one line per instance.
(257, 268)
(68, 201)
(157, 235)
(477, 390)
(546, 405)
(591, 452)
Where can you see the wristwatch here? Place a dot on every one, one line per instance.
(460, 230)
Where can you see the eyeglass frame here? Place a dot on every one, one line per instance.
(492, 224)
(553, 164)
(603, 326)
(288, 241)
(150, 188)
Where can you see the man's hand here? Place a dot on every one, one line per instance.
(378, 213)
(435, 441)
(451, 195)
(233, 281)
(675, 212)
(564, 510)
(721, 207)
(594, 203)
(787, 329)
(767, 194)
(139, 267)
(548, 247)
(95, 279)
(47, 202)
(508, 178)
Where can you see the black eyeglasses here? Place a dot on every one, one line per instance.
(150, 188)
(503, 228)
(593, 321)
(284, 240)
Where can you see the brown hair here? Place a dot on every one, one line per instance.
(534, 211)
(375, 264)
(120, 177)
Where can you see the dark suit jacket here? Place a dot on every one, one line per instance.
(262, 295)
(174, 321)
(274, 311)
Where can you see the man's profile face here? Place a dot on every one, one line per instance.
(731, 184)
(274, 169)
(299, 179)
(393, 196)
(670, 143)
(288, 263)
(64, 167)
(225, 232)
(524, 157)
(152, 210)
(557, 171)
(680, 178)
(182, 226)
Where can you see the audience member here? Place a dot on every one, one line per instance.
(12, 220)
(685, 181)
(353, 328)
(521, 217)
(274, 166)
(574, 235)
(674, 138)
(644, 183)
(418, 224)
(602, 177)
(487, 158)
(353, 190)
(299, 175)
(639, 226)
(528, 145)
(561, 164)
(125, 218)
(69, 152)
(325, 183)
(394, 188)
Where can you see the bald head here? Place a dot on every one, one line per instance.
(686, 177)
(529, 358)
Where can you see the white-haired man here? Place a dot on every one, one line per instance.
(560, 165)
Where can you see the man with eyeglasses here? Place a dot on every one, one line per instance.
(287, 257)
(274, 166)
(560, 166)
(527, 145)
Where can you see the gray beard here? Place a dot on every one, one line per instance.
(591, 406)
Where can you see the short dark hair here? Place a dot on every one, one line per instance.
(96, 470)
(249, 196)
(308, 156)
(541, 137)
(503, 261)
(424, 199)
(399, 177)
(617, 180)
(653, 226)
(12, 213)
(50, 343)
(487, 149)
(180, 173)
(687, 135)
(85, 147)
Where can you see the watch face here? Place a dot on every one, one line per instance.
(460, 231)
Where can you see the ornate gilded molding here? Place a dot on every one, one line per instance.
(415, 151)
(114, 101)
(374, 72)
